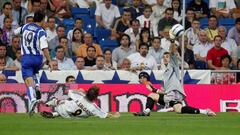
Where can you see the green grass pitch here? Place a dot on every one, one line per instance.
(156, 124)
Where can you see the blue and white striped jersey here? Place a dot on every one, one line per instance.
(33, 39)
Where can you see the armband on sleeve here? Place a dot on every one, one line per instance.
(153, 89)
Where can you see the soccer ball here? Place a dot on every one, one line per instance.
(176, 31)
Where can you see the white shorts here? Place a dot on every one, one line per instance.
(174, 95)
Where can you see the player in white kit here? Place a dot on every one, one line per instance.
(79, 104)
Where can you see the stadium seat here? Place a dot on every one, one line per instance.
(227, 22)
(76, 10)
(89, 24)
(108, 43)
(68, 22)
(92, 12)
(204, 23)
(102, 34)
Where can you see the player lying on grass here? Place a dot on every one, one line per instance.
(172, 93)
(79, 104)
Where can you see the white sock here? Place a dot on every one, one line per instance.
(31, 94)
(166, 110)
(146, 111)
(203, 111)
(55, 114)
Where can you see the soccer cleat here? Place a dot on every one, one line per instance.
(52, 102)
(210, 112)
(33, 105)
(38, 93)
(47, 114)
(141, 114)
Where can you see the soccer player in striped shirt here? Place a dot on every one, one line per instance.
(33, 46)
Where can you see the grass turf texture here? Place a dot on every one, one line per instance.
(127, 124)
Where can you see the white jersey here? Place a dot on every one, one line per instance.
(79, 102)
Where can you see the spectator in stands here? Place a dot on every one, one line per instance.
(55, 65)
(7, 30)
(88, 41)
(214, 55)
(7, 13)
(1, 34)
(190, 15)
(133, 32)
(192, 32)
(70, 79)
(51, 29)
(109, 62)
(18, 12)
(222, 8)
(167, 21)
(90, 59)
(63, 10)
(100, 64)
(189, 61)
(149, 2)
(53, 43)
(124, 50)
(17, 61)
(80, 62)
(156, 50)
(177, 11)
(200, 7)
(125, 65)
(64, 63)
(201, 49)
(145, 20)
(106, 13)
(29, 19)
(35, 6)
(136, 9)
(157, 14)
(3, 78)
(123, 23)
(238, 73)
(228, 44)
(63, 41)
(77, 40)
(12, 49)
(212, 27)
(234, 32)
(6, 62)
(47, 7)
(226, 62)
(165, 41)
(77, 24)
(142, 60)
(145, 37)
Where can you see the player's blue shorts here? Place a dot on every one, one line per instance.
(31, 64)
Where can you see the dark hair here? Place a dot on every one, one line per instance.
(58, 47)
(166, 53)
(7, 17)
(108, 49)
(100, 56)
(134, 20)
(237, 20)
(125, 35)
(216, 37)
(35, 1)
(69, 77)
(147, 7)
(73, 38)
(51, 17)
(213, 16)
(143, 44)
(189, 9)
(92, 93)
(6, 3)
(226, 56)
(38, 16)
(145, 30)
(168, 9)
(156, 38)
(60, 38)
(91, 47)
(179, 8)
(60, 26)
(145, 75)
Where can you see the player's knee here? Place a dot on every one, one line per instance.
(154, 96)
(177, 108)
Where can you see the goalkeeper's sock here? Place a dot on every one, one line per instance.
(190, 110)
(55, 114)
(203, 111)
(150, 103)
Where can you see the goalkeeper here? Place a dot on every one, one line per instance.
(79, 105)
(172, 93)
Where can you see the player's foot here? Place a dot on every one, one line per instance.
(52, 102)
(38, 93)
(33, 105)
(210, 112)
(47, 114)
(141, 114)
